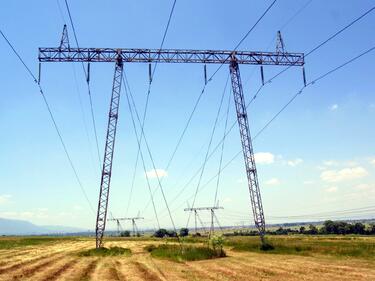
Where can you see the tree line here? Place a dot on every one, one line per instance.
(329, 227)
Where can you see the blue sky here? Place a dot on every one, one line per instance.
(317, 156)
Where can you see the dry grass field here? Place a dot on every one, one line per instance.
(57, 259)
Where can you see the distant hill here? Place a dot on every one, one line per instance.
(21, 227)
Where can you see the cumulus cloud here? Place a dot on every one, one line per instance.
(5, 198)
(330, 163)
(264, 158)
(334, 107)
(331, 189)
(365, 187)
(372, 161)
(308, 182)
(343, 174)
(273, 181)
(154, 173)
(294, 162)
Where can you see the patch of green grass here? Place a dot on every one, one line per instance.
(359, 247)
(106, 252)
(13, 242)
(186, 253)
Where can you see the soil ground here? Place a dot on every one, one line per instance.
(58, 260)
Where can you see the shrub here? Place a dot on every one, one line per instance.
(184, 232)
(104, 252)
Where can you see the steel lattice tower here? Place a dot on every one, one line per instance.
(120, 56)
(247, 147)
(108, 153)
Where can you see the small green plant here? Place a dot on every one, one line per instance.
(267, 246)
(105, 252)
(217, 243)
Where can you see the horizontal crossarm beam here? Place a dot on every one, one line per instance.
(129, 219)
(168, 56)
(203, 208)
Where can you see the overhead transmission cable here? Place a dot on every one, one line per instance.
(274, 77)
(284, 107)
(153, 165)
(127, 91)
(222, 149)
(79, 96)
(148, 99)
(52, 119)
(179, 141)
(87, 83)
(315, 49)
(209, 146)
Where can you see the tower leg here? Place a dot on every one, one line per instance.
(108, 154)
(247, 147)
(195, 217)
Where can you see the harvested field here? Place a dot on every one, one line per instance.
(59, 260)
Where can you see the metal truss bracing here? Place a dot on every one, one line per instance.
(168, 56)
(247, 147)
(64, 42)
(108, 154)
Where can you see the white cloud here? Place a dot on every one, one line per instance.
(295, 162)
(365, 187)
(330, 163)
(152, 174)
(273, 181)
(264, 158)
(5, 198)
(334, 107)
(343, 174)
(331, 189)
(372, 161)
(308, 182)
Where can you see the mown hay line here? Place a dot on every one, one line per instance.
(146, 273)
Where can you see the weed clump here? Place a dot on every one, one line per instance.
(186, 253)
(266, 247)
(105, 252)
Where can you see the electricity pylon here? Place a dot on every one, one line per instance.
(213, 216)
(120, 56)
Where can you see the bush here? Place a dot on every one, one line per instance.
(161, 233)
(184, 232)
(125, 233)
(217, 243)
(267, 246)
(104, 252)
(186, 253)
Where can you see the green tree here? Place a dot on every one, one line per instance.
(125, 233)
(184, 232)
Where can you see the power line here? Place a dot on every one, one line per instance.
(317, 48)
(283, 108)
(209, 146)
(88, 84)
(245, 36)
(154, 166)
(148, 98)
(79, 96)
(278, 74)
(222, 149)
(127, 91)
(209, 80)
(52, 119)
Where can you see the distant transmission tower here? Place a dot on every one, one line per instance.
(213, 217)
